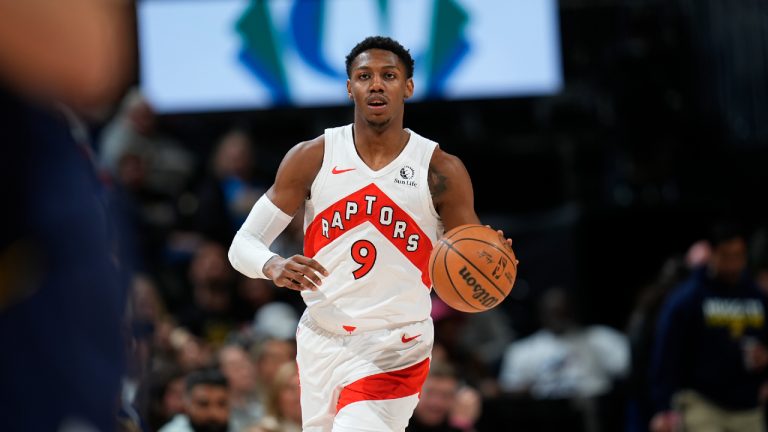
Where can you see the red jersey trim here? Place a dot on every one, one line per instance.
(387, 385)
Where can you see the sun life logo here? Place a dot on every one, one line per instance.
(406, 176)
(406, 172)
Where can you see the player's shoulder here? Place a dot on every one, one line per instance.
(302, 162)
(313, 145)
(308, 151)
(313, 150)
(445, 162)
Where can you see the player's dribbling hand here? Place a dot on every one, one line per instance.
(508, 241)
(298, 272)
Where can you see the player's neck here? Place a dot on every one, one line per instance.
(382, 137)
(377, 147)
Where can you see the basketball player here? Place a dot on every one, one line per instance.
(377, 199)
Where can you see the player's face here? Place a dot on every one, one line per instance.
(379, 86)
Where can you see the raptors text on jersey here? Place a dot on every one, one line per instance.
(373, 231)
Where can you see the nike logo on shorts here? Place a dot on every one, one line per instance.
(408, 339)
(336, 170)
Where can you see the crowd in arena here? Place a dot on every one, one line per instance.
(119, 304)
(198, 331)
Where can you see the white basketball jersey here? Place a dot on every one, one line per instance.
(373, 231)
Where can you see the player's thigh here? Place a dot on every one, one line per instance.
(388, 415)
(319, 375)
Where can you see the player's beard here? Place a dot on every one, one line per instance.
(209, 426)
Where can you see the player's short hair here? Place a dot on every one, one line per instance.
(383, 43)
(212, 377)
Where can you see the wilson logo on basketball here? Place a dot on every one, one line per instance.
(478, 292)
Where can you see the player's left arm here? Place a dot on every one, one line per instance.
(451, 190)
(452, 193)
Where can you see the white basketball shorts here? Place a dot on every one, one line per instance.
(361, 382)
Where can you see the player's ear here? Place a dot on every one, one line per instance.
(409, 88)
(349, 89)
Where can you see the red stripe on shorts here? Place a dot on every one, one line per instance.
(386, 385)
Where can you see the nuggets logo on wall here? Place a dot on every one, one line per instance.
(307, 31)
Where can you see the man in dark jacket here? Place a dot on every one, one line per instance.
(710, 353)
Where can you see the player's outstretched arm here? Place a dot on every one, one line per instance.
(250, 252)
(451, 189)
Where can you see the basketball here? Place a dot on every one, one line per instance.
(472, 268)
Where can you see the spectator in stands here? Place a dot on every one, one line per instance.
(273, 312)
(467, 409)
(189, 352)
(641, 330)
(564, 359)
(710, 353)
(759, 258)
(161, 397)
(283, 407)
(482, 340)
(206, 404)
(276, 320)
(565, 362)
(253, 294)
(473, 344)
(270, 355)
(437, 400)
(231, 189)
(245, 405)
(150, 170)
(210, 317)
(134, 132)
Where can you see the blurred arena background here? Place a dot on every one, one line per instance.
(605, 137)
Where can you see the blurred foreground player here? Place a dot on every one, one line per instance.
(60, 299)
(377, 198)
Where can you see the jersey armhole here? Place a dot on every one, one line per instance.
(319, 180)
(426, 196)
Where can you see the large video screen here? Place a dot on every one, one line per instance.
(212, 55)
